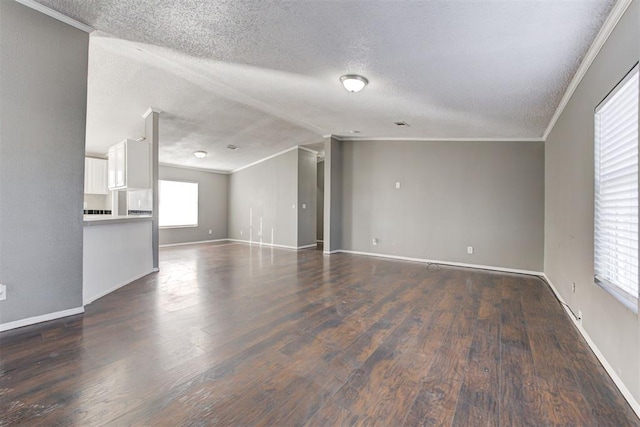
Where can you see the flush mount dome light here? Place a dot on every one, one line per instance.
(200, 154)
(353, 82)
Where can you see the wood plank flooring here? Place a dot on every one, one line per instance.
(228, 334)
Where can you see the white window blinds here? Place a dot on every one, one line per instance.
(616, 188)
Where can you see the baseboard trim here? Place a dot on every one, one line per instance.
(167, 245)
(118, 286)
(39, 319)
(603, 361)
(451, 263)
(273, 245)
(313, 245)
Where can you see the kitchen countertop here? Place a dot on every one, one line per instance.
(113, 219)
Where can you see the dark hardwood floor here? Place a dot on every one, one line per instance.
(237, 335)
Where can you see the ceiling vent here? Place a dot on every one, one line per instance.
(401, 123)
(232, 147)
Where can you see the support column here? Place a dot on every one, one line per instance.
(152, 121)
(332, 195)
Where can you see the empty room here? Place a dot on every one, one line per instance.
(319, 212)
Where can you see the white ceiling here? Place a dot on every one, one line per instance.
(264, 75)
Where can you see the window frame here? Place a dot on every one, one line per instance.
(197, 205)
(617, 291)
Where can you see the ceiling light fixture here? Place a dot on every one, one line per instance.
(200, 154)
(353, 82)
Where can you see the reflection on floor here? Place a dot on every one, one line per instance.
(230, 334)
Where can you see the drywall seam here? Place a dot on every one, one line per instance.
(607, 28)
(39, 319)
(605, 363)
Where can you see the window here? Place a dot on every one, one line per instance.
(616, 191)
(178, 204)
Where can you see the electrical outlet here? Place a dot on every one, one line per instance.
(241, 232)
(374, 241)
(3, 292)
(573, 287)
(398, 185)
(210, 231)
(304, 206)
(470, 250)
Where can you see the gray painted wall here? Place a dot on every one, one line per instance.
(569, 207)
(320, 201)
(307, 175)
(213, 206)
(489, 195)
(270, 191)
(43, 95)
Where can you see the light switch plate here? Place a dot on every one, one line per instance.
(3, 292)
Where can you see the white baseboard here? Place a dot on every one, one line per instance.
(273, 245)
(451, 263)
(116, 287)
(605, 363)
(192, 243)
(39, 319)
(313, 245)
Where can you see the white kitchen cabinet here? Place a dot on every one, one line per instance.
(95, 176)
(129, 165)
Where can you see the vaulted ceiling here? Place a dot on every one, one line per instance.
(264, 75)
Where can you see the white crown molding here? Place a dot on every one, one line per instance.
(193, 168)
(56, 15)
(295, 147)
(605, 363)
(151, 110)
(308, 149)
(607, 28)
(364, 138)
(39, 319)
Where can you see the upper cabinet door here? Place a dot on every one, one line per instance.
(129, 165)
(95, 176)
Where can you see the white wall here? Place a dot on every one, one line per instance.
(569, 207)
(114, 254)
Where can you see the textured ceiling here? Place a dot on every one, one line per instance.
(263, 75)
